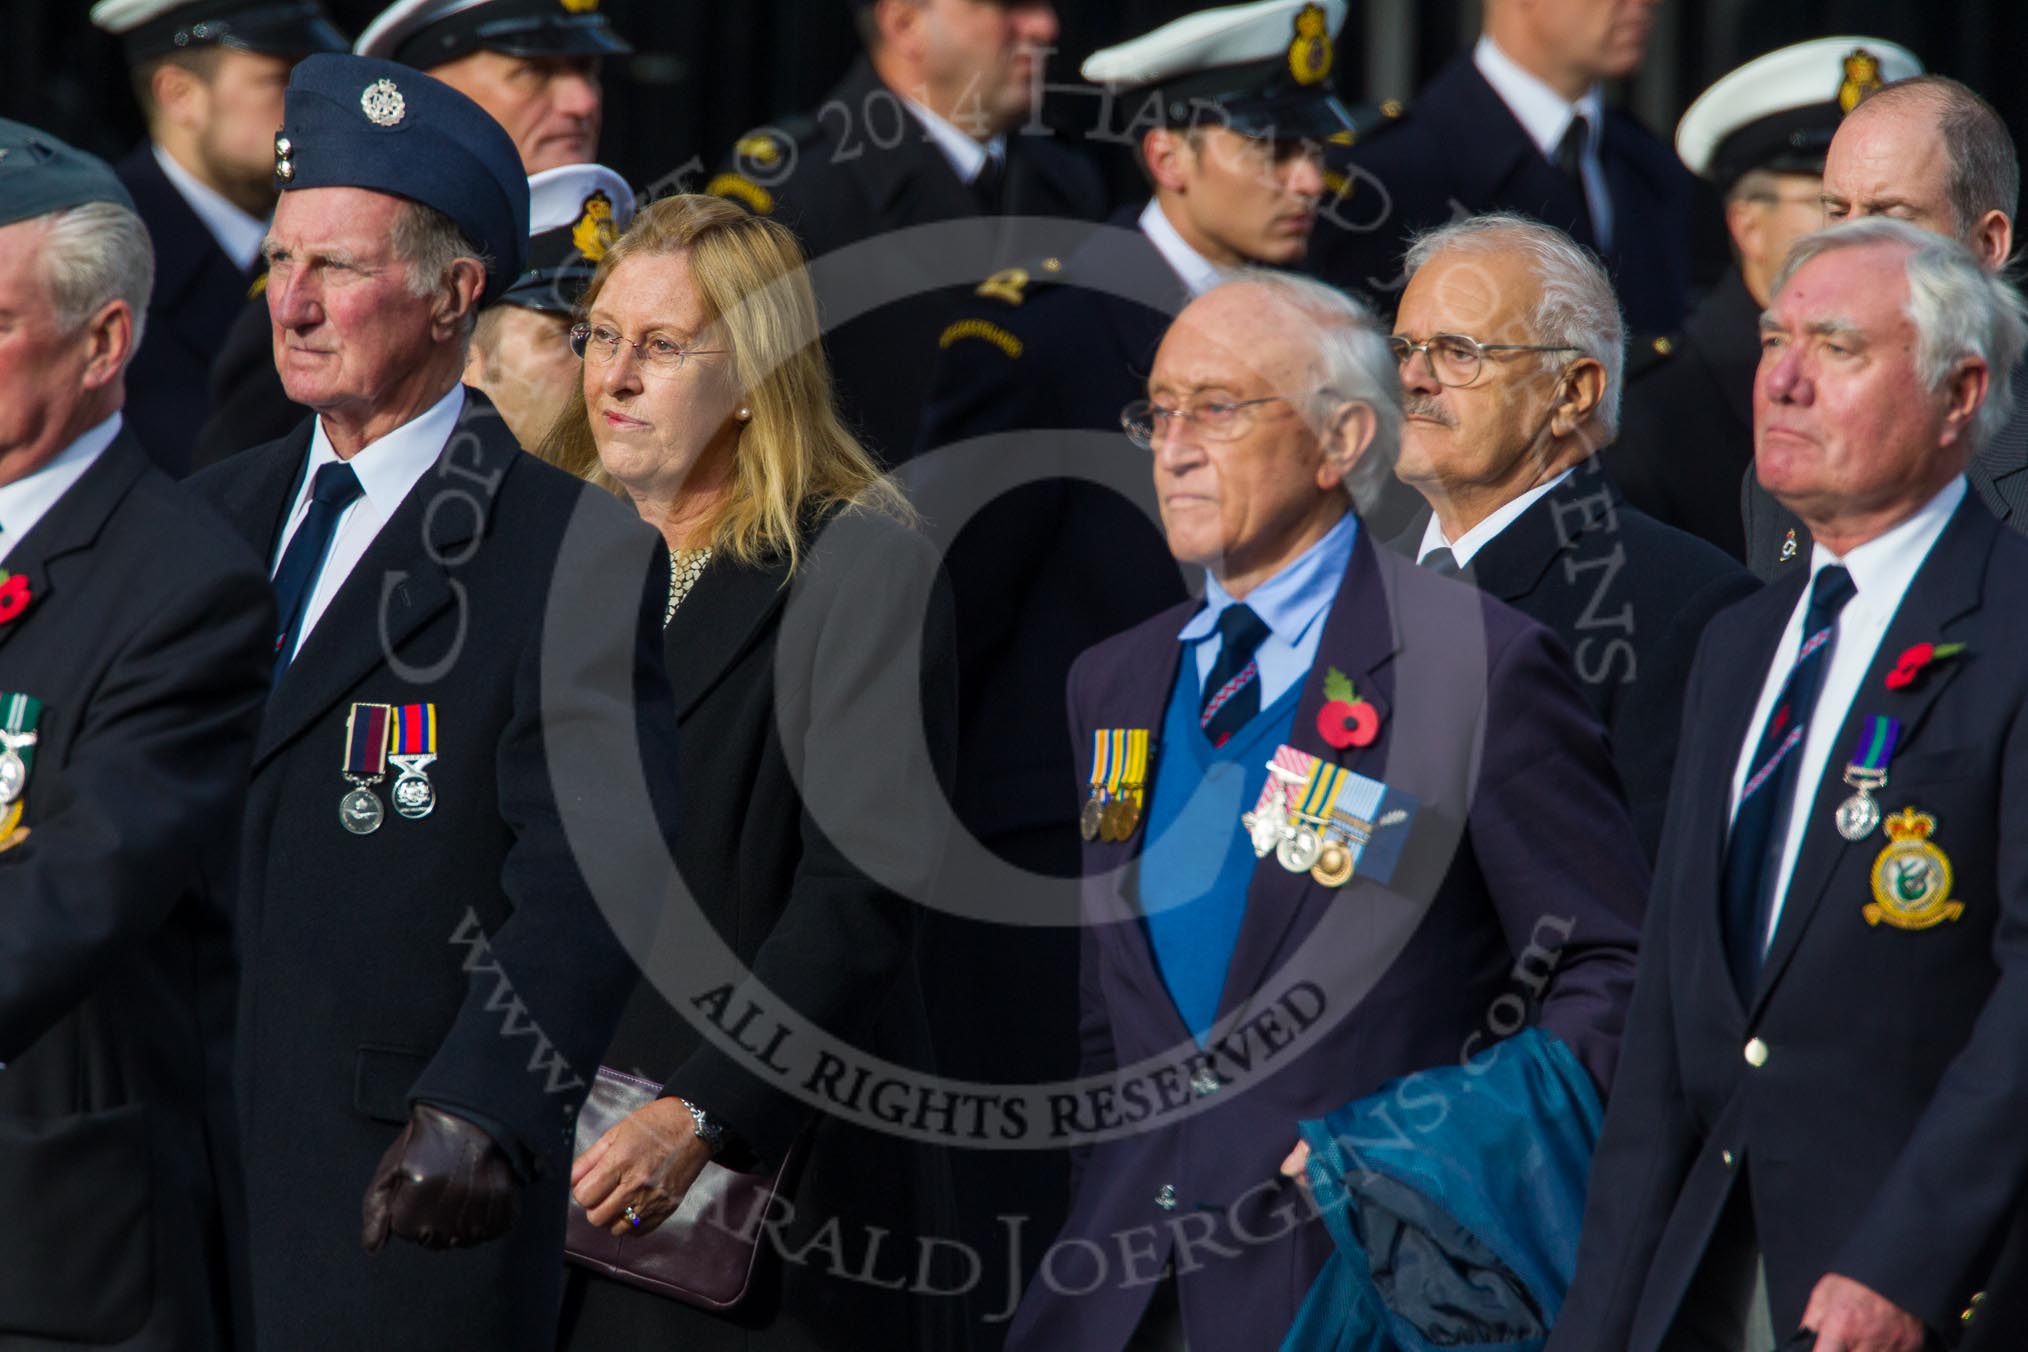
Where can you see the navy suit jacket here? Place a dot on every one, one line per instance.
(467, 958)
(1882, 1128)
(1459, 149)
(198, 292)
(1629, 598)
(1521, 884)
(148, 641)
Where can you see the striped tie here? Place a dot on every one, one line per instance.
(1232, 690)
(1753, 853)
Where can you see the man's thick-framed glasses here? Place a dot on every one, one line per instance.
(663, 356)
(1456, 359)
(1214, 419)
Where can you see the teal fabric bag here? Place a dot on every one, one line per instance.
(1453, 1198)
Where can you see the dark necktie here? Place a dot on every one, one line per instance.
(1441, 562)
(989, 185)
(1753, 853)
(1232, 690)
(334, 488)
(1570, 159)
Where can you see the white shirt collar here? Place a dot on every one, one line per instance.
(239, 235)
(389, 467)
(1883, 567)
(967, 156)
(1478, 537)
(1199, 273)
(28, 499)
(1542, 112)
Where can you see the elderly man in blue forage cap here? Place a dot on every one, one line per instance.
(429, 979)
(133, 662)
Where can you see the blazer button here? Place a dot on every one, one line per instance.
(1165, 1197)
(1756, 1053)
(1726, 1155)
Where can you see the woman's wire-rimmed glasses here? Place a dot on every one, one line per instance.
(659, 355)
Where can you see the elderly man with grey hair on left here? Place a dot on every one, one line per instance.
(1511, 349)
(134, 638)
(1337, 804)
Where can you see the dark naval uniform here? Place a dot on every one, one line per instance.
(198, 292)
(1686, 429)
(1458, 149)
(864, 167)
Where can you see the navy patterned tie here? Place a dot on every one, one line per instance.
(331, 492)
(1232, 690)
(1753, 852)
(1441, 562)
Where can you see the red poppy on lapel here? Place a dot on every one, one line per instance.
(1346, 720)
(14, 595)
(1912, 661)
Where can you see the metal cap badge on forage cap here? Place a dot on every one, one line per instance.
(353, 122)
(1780, 111)
(425, 33)
(575, 213)
(153, 28)
(1263, 69)
(40, 174)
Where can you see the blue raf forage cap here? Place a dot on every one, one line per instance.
(40, 174)
(354, 122)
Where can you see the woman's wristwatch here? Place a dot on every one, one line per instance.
(710, 1130)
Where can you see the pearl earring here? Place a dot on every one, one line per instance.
(744, 413)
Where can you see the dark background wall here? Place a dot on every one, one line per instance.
(708, 70)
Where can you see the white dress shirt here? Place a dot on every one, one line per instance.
(387, 470)
(1478, 537)
(1881, 570)
(239, 235)
(966, 155)
(1546, 115)
(1199, 273)
(28, 499)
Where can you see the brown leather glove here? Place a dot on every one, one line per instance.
(444, 1182)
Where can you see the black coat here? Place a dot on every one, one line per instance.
(1629, 598)
(1686, 427)
(1459, 148)
(860, 169)
(1880, 1116)
(804, 720)
(1998, 474)
(198, 291)
(148, 641)
(460, 959)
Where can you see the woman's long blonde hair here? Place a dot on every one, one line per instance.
(795, 457)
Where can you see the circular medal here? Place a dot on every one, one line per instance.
(414, 796)
(360, 812)
(1117, 825)
(1092, 818)
(13, 775)
(1334, 864)
(1298, 853)
(1857, 816)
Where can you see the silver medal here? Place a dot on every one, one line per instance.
(360, 811)
(1298, 852)
(1857, 816)
(413, 795)
(13, 776)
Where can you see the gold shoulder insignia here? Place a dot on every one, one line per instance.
(744, 189)
(1862, 77)
(260, 285)
(580, 6)
(1007, 285)
(1310, 52)
(760, 148)
(984, 330)
(594, 232)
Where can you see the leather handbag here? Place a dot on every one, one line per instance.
(706, 1253)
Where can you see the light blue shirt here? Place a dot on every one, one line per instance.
(1292, 604)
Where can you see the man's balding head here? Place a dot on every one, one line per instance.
(1931, 152)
